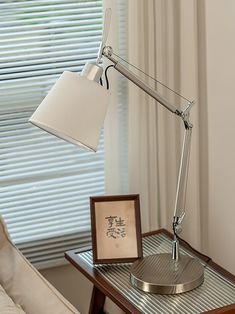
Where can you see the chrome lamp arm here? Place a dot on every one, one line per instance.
(179, 211)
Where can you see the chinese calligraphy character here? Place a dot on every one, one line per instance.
(120, 222)
(111, 220)
(116, 227)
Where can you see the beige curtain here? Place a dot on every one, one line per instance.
(162, 40)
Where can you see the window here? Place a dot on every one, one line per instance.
(45, 183)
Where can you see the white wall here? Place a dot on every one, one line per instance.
(220, 69)
(72, 284)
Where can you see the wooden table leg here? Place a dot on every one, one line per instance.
(97, 302)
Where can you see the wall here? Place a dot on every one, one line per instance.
(207, 74)
(220, 68)
(72, 284)
(75, 287)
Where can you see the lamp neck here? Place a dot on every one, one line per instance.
(92, 71)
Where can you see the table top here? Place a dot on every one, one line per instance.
(218, 289)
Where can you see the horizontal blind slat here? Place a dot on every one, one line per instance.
(82, 41)
(48, 16)
(84, 35)
(48, 31)
(46, 4)
(53, 24)
(50, 242)
(51, 184)
(29, 10)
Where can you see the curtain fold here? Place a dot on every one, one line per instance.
(116, 122)
(142, 141)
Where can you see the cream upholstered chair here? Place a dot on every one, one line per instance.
(22, 288)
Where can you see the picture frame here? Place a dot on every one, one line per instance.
(116, 228)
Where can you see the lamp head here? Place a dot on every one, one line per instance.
(75, 108)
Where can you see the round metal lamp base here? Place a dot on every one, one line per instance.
(162, 275)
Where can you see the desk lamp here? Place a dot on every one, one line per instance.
(74, 110)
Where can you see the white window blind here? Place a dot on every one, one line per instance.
(45, 183)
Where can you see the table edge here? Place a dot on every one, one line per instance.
(100, 282)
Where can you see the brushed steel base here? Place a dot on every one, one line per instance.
(162, 275)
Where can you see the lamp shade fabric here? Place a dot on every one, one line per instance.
(74, 110)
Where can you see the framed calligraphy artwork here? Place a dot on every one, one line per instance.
(116, 229)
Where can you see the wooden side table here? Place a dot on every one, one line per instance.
(215, 295)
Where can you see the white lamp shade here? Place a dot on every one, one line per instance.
(74, 110)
